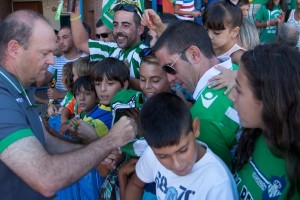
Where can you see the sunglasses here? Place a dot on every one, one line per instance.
(169, 68)
(145, 52)
(102, 35)
(128, 7)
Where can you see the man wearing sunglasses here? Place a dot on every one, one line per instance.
(103, 33)
(126, 32)
(185, 51)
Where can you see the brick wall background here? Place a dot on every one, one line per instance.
(5, 8)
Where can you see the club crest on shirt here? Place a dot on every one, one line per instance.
(207, 99)
(272, 188)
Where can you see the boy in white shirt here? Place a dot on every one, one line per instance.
(181, 167)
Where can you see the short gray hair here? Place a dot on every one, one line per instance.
(288, 34)
(17, 26)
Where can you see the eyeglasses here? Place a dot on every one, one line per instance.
(103, 35)
(128, 7)
(145, 52)
(169, 68)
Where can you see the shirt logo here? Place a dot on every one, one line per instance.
(208, 99)
(20, 100)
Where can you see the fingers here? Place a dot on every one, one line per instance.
(128, 129)
(221, 68)
(112, 158)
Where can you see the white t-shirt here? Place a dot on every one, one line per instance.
(209, 179)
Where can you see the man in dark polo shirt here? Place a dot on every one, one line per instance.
(29, 167)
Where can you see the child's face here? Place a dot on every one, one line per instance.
(222, 39)
(153, 80)
(86, 100)
(106, 90)
(245, 10)
(180, 158)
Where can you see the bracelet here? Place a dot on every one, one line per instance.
(268, 23)
(75, 18)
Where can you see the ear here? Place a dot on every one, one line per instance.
(140, 29)
(196, 127)
(234, 32)
(126, 84)
(193, 54)
(13, 48)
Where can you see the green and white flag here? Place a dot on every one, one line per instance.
(108, 12)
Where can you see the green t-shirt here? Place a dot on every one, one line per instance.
(268, 34)
(258, 1)
(100, 50)
(264, 176)
(218, 121)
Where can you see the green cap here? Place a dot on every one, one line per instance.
(125, 99)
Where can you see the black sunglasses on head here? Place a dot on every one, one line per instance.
(145, 52)
(103, 35)
(128, 7)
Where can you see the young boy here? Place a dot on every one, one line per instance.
(110, 76)
(87, 100)
(181, 167)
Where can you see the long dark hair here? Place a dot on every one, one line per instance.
(270, 5)
(274, 75)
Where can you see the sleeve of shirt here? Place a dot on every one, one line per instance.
(70, 105)
(145, 166)
(260, 13)
(100, 50)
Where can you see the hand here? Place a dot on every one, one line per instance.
(128, 167)
(86, 131)
(225, 79)
(113, 158)
(77, 10)
(196, 13)
(152, 20)
(51, 110)
(280, 18)
(123, 131)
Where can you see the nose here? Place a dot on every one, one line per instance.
(50, 59)
(103, 87)
(148, 84)
(81, 96)
(176, 164)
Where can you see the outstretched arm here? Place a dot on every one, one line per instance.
(48, 173)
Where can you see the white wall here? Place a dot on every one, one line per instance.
(47, 10)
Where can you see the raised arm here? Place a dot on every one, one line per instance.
(152, 20)
(80, 36)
